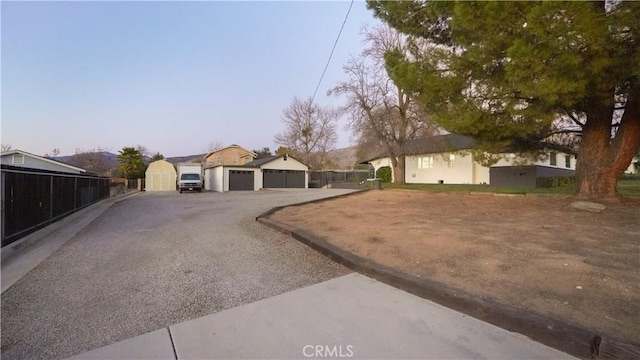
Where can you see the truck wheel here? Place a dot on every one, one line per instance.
(180, 191)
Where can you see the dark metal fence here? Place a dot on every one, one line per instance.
(326, 177)
(33, 198)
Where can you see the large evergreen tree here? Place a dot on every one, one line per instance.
(520, 73)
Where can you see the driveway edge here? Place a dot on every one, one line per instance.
(566, 337)
(277, 208)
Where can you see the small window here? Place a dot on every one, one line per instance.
(219, 160)
(17, 159)
(553, 158)
(235, 160)
(452, 160)
(567, 161)
(425, 162)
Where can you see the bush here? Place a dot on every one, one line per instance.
(555, 181)
(384, 173)
(630, 177)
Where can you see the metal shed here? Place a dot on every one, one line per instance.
(160, 176)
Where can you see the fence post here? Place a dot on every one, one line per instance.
(51, 197)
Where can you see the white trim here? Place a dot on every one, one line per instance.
(24, 153)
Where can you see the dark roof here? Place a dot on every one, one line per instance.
(433, 145)
(261, 161)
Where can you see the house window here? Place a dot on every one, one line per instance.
(17, 159)
(219, 160)
(567, 161)
(452, 160)
(425, 162)
(553, 158)
(235, 160)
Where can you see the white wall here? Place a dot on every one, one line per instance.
(461, 172)
(633, 167)
(378, 163)
(35, 163)
(214, 179)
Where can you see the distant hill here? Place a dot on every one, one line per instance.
(344, 158)
(110, 159)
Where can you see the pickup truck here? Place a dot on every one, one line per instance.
(190, 182)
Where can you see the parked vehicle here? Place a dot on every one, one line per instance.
(190, 177)
(190, 182)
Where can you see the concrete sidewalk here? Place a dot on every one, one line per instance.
(348, 317)
(25, 254)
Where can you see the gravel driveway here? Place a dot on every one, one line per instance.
(154, 260)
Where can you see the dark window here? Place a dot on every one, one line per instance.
(567, 161)
(553, 158)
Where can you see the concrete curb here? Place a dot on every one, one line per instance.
(569, 338)
(277, 208)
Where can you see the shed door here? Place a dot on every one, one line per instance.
(283, 178)
(240, 180)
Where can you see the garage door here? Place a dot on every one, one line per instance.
(240, 180)
(283, 178)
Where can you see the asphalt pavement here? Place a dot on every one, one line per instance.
(194, 276)
(154, 260)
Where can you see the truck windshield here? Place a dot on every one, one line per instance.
(190, 177)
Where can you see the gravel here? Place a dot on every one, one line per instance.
(152, 261)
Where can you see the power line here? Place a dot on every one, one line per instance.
(332, 50)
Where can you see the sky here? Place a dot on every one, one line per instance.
(171, 76)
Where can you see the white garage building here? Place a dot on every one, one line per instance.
(271, 172)
(160, 176)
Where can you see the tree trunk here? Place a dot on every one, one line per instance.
(398, 169)
(601, 160)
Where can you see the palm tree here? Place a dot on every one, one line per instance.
(130, 160)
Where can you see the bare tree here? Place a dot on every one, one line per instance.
(95, 160)
(6, 147)
(382, 115)
(310, 131)
(53, 153)
(214, 145)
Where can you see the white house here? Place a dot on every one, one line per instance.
(24, 159)
(281, 171)
(447, 159)
(634, 167)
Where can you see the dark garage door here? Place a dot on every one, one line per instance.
(240, 180)
(282, 178)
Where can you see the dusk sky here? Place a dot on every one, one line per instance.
(171, 76)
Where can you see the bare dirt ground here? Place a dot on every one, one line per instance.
(534, 253)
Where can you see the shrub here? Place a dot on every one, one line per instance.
(384, 173)
(555, 181)
(630, 177)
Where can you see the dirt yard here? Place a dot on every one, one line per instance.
(532, 252)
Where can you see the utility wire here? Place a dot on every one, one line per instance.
(332, 50)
